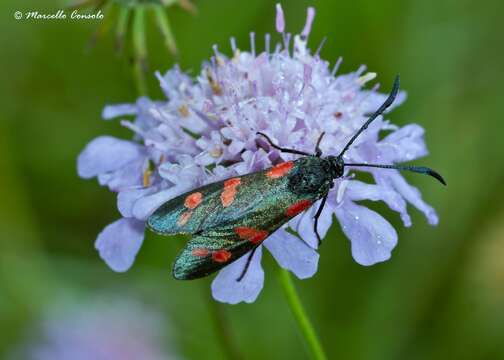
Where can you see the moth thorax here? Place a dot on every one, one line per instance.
(337, 166)
(311, 176)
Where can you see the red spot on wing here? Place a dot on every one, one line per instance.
(184, 218)
(253, 235)
(232, 183)
(200, 252)
(280, 170)
(193, 200)
(227, 197)
(229, 193)
(298, 207)
(221, 256)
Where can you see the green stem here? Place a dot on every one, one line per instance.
(307, 330)
(222, 328)
(165, 28)
(140, 50)
(122, 26)
(104, 26)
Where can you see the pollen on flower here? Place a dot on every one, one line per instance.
(193, 200)
(214, 85)
(146, 177)
(280, 170)
(183, 111)
(366, 77)
(216, 152)
(221, 256)
(220, 61)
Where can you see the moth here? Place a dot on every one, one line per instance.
(230, 218)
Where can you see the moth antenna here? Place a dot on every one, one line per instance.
(417, 169)
(381, 109)
(281, 149)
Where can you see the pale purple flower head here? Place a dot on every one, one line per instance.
(206, 131)
(100, 329)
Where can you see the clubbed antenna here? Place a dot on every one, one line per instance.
(385, 105)
(416, 169)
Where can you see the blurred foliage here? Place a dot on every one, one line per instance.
(439, 296)
(127, 19)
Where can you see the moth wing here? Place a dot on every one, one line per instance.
(261, 201)
(207, 253)
(260, 205)
(185, 214)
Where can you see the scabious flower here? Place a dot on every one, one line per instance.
(206, 131)
(101, 329)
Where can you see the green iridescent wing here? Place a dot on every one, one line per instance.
(228, 218)
(207, 253)
(187, 213)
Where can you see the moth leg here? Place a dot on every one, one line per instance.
(317, 215)
(318, 151)
(245, 269)
(285, 150)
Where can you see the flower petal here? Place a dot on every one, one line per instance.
(113, 111)
(145, 206)
(405, 144)
(185, 171)
(226, 289)
(106, 153)
(373, 100)
(119, 243)
(126, 177)
(357, 190)
(126, 200)
(371, 236)
(292, 253)
(412, 195)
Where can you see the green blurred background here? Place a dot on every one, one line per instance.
(441, 295)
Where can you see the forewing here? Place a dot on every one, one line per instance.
(260, 200)
(186, 213)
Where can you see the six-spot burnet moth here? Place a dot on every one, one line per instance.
(230, 218)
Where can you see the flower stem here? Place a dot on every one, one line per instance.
(223, 331)
(140, 50)
(307, 330)
(166, 31)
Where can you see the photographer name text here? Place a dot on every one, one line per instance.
(58, 15)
